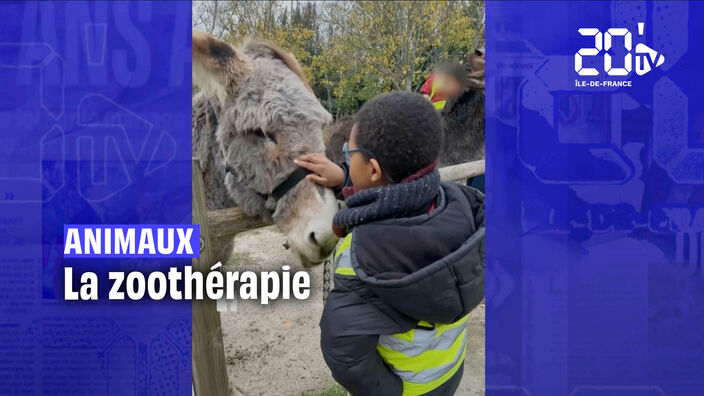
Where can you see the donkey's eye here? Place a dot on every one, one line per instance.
(259, 133)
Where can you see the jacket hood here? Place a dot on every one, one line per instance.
(429, 267)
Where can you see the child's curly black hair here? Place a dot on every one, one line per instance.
(402, 130)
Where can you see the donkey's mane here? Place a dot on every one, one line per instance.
(263, 46)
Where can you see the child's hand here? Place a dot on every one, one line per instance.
(325, 172)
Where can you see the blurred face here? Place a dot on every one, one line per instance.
(365, 172)
(449, 86)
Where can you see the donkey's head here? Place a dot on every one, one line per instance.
(267, 115)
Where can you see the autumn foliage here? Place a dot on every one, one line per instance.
(351, 51)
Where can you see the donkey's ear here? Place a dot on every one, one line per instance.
(218, 67)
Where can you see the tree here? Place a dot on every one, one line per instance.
(351, 51)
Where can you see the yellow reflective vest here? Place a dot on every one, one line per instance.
(440, 104)
(424, 357)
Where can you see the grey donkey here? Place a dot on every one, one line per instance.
(254, 114)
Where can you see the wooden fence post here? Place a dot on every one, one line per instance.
(209, 372)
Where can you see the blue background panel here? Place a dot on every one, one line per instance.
(595, 211)
(94, 129)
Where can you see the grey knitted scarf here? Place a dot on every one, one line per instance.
(386, 202)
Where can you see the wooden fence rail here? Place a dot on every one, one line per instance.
(209, 371)
(232, 221)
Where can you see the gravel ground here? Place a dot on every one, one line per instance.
(275, 349)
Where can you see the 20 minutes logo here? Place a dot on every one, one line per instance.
(645, 57)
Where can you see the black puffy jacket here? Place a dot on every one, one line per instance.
(427, 268)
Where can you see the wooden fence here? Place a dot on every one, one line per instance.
(209, 371)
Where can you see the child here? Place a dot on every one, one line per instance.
(448, 80)
(411, 264)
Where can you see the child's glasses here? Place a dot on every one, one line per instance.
(346, 150)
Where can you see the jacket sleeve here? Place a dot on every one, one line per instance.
(350, 329)
(348, 182)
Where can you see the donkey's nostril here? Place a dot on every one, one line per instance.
(311, 237)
